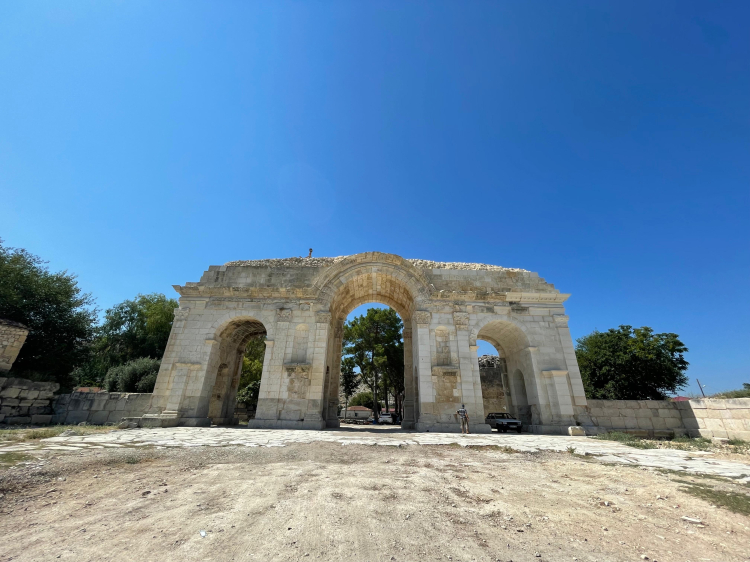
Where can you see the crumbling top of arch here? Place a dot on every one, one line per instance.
(327, 262)
(318, 279)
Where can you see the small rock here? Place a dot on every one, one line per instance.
(691, 520)
(203, 534)
(537, 555)
(82, 424)
(147, 492)
(644, 557)
(123, 424)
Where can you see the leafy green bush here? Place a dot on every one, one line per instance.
(249, 394)
(138, 375)
(743, 393)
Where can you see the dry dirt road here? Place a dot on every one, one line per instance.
(331, 502)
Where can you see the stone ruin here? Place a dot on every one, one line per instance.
(300, 305)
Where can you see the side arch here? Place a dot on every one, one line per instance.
(526, 393)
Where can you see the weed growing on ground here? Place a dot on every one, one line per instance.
(33, 434)
(571, 450)
(736, 502)
(9, 459)
(626, 439)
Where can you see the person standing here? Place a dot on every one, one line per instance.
(463, 417)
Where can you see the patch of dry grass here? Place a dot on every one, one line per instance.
(33, 434)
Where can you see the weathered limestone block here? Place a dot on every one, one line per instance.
(10, 392)
(645, 423)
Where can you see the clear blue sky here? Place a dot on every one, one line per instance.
(603, 144)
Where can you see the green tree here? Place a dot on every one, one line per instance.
(364, 398)
(631, 364)
(373, 341)
(252, 369)
(349, 379)
(131, 329)
(60, 317)
(138, 375)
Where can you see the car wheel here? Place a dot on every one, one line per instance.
(519, 430)
(505, 430)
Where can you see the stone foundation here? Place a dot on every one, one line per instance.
(26, 402)
(99, 408)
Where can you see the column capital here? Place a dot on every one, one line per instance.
(461, 320)
(283, 314)
(423, 317)
(323, 317)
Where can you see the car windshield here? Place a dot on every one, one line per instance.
(504, 416)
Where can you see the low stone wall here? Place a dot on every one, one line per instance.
(728, 418)
(98, 408)
(663, 418)
(23, 401)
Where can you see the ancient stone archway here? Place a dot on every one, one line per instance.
(301, 304)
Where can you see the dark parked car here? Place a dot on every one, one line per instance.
(503, 422)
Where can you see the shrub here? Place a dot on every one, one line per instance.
(138, 375)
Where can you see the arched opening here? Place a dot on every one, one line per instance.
(383, 285)
(504, 387)
(239, 358)
(372, 366)
(493, 375)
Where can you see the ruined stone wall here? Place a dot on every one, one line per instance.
(23, 401)
(99, 408)
(493, 392)
(12, 337)
(661, 418)
(493, 376)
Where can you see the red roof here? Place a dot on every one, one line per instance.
(680, 399)
(358, 409)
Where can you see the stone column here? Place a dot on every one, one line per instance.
(270, 395)
(410, 419)
(574, 373)
(316, 399)
(334, 377)
(560, 399)
(471, 384)
(423, 356)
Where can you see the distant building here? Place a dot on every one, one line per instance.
(359, 412)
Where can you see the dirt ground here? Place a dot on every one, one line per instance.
(364, 503)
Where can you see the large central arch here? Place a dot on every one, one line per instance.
(356, 282)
